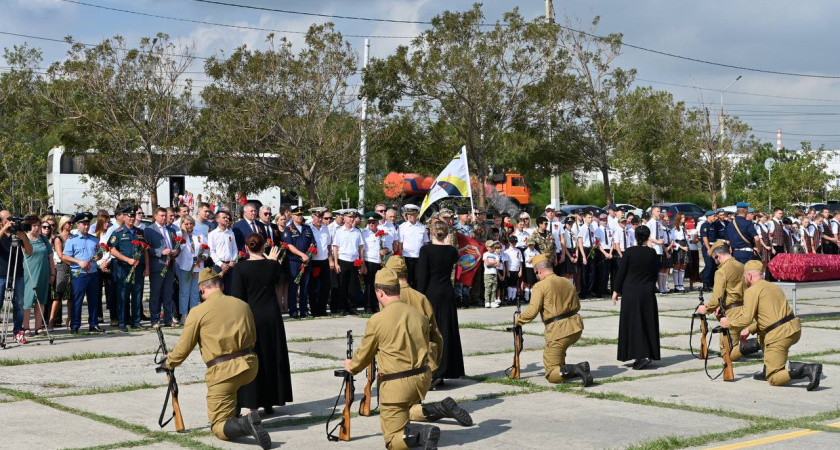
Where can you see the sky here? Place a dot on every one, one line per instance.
(767, 35)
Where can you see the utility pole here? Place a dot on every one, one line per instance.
(363, 149)
(555, 172)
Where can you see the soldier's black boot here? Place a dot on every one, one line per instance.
(761, 376)
(810, 371)
(750, 347)
(248, 425)
(569, 371)
(421, 436)
(447, 408)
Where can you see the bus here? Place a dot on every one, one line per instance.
(68, 190)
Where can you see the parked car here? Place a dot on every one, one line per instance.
(570, 209)
(688, 209)
(628, 208)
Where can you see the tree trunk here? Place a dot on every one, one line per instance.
(310, 191)
(605, 173)
(153, 196)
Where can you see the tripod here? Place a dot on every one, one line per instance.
(9, 289)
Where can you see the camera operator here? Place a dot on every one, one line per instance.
(9, 225)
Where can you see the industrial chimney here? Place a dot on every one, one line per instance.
(778, 139)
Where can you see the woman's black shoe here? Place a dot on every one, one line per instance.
(641, 363)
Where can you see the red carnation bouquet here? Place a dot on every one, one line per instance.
(358, 264)
(139, 248)
(179, 241)
(381, 236)
(200, 257)
(268, 244)
(283, 252)
(100, 251)
(240, 255)
(312, 250)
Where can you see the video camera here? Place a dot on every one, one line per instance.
(19, 224)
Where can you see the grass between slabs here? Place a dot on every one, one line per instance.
(73, 357)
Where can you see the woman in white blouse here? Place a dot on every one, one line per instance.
(188, 264)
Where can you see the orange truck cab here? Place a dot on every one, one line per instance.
(512, 186)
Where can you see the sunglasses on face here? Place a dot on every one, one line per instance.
(380, 211)
(46, 227)
(329, 218)
(266, 214)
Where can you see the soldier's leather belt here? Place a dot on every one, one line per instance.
(787, 319)
(403, 374)
(560, 317)
(733, 305)
(228, 357)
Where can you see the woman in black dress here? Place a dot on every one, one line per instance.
(434, 271)
(635, 281)
(254, 282)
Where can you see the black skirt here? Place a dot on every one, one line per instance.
(530, 276)
(569, 266)
(638, 327)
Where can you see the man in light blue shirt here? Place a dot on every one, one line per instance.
(80, 253)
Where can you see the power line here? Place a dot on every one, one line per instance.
(244, 27)
(797, 134)
(41, 38)
(739, 92)
(311, 14)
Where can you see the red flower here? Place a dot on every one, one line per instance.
(269, 243)
(242, 255)
(136, 243)
(285, 245)
(312, 249)
(104, 247)
(358, 263)
(180, 240)
(380, 233)
(205, 246)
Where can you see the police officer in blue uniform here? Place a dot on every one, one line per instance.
(708, 236)
(741, 235)
(123, 251)
(299, 237)
(79, 252)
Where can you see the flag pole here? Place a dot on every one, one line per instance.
(469, 182)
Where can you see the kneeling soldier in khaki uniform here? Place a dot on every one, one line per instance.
(398, 335)
(778, 329)
(729, 286)
(556, 300)
(225, 327)
(448, 408)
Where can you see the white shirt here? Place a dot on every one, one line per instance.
(557, 231)
(692, 234)
(631, 236)
(583, 233)
(655, 234)
(529, 255)
(348, 243)
(413, 238)
(323, 242)
(620, 238)
(189, 251)
(222, 246)
(604, 234)
(490, 257)
(373, 244)
(391, 229)
(515, 258)
(521, 238)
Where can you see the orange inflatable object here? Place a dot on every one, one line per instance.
(406, 184)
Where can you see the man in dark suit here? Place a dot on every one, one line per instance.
(247, 225)
(161, 271)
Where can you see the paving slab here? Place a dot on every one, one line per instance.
(474, 341)
(327, 327)
(517, 422)
(744, 395)
(833, 359)
(158, 446)
(607, 327)
(68, 377)
(24, 428)
(601, 358)
(813, 340)
(793, 439)
(823, 324)
(141, 342)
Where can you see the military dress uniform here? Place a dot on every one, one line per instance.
(398, 336)
(128, 293)
(741, 236)
(555, 300)
(224, 326)
(728, 293)
(300, 238)
(778, 330)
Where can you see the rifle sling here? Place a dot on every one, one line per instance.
(403, 374)
(560, 317)
(173, 387)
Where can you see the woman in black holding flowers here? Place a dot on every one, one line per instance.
(254, 283)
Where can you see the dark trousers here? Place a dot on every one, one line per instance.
(411, 264)
(319, 286)
(602, 273)
(160, 294)
(348, 286)
(227, 278)
(587, 274)
(298, 290)
(743, 256)
(616, 260)
(335, 307)
(129, 294)
(110, 290)
(709, 270)
(86, 284)
(371, 303)
(176, 294)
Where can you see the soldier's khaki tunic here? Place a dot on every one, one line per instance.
(729, 285)
(222, 325)
(551, 297)
(421, 303)
(398, 336)
(766, 303)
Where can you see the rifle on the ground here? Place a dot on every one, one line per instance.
(364, 405)
(726, 349)
(518, 342)
(172, 388)
(349, 390)
(704, 330)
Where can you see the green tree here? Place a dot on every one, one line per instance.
(132, 106)
(283, 118)
(481, 82)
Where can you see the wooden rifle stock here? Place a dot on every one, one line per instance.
(176, 406)
(364, 405)
(349, 392)
(172, 388)
(704, 345)
(726, 345)
(514, 371)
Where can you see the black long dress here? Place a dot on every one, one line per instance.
(638, 327)
(253, 282)
(434, 271)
